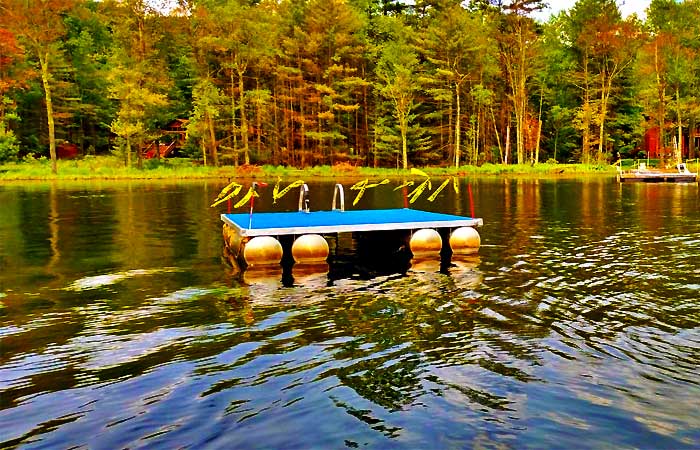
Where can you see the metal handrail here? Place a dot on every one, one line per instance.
(304, 198)
(254, 188)
(338, 189)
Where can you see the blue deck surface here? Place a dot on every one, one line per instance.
(278, 223)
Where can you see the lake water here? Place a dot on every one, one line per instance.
(577, 325)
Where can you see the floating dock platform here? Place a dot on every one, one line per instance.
(328, 222)
(260, 239)
(264, 239)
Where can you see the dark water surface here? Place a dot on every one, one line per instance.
(576, 326)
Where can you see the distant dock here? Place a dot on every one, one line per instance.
(658, 177)
(646, 175)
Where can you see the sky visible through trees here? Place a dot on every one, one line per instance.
(376, 83)
(627, 7)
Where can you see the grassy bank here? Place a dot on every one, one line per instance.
(110, 168)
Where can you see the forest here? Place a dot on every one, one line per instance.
(374, 83)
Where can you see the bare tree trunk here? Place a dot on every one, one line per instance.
(302, 132)
(288, 118)
(212, 137)
(233, 120)
(128, 151)
(258, 119)
(477, 134)
(244, 118)
(365, 110)
(661, 92)
(539, 128)
(498, 137)
(357, 132)
(521, 100)
(458, 129)
(404, 142)
(691, 137)
(44, 61)
(586, 119)
(679, 148)
(204, 151)
(139, 155)
(450, 133)
(507, 143)
(141, 58)
(606, 87)
(276, 142)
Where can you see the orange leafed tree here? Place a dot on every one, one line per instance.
(615, 48)
(39, 26)
(13, 73)
(519, 47)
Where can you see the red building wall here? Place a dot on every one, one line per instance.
(651, 143)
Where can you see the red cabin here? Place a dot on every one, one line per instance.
(173, 137)
(66, 150)
(651, 142)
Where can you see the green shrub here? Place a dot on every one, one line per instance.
(9, 145)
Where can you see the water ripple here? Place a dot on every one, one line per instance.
(571, 328)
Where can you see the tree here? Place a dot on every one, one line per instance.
(519, 50)
(207, 103)
(241, 37)
(396, 71)
(457, 43)
(615, 50)
(669, 58)
(558, 95)
(86, 106)
(334, 49)
(605, 48)
(136, 79)
(12, 77)
(39, 24)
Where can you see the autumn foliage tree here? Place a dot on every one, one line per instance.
(519, 52)
(39, 25)
(136, 80)
(12, 77)
(668, 69)
(308, 82)
(12, 73)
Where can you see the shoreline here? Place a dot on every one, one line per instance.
(111, 170)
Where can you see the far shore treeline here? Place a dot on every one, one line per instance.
(373, 83)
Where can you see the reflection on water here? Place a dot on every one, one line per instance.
(576, 325)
